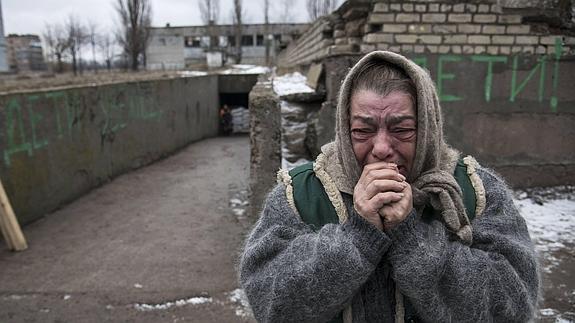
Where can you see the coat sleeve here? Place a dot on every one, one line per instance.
(291, 273)
(496, 279)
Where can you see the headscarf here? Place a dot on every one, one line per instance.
(431, 176)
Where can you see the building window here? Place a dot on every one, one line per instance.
(232, 41)
(162, 41)
(192, 42)
(205, 41)
(223, 41)
(259, 40)
(247, 40)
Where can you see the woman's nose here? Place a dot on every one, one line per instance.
(383, 146)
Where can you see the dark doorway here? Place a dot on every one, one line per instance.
(234, 99)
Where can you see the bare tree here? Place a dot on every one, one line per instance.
(134, 34)
(106, 45)
(57, 42)
(285, 11)
(49, 43)
(319, 8)
(92, 39)
(238, 29)
(76, 37)
(209, 10)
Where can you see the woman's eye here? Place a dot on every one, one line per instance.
(365, 130)
(404, 133)
(361, 132)
(403, 129)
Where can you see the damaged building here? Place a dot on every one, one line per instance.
(215, 45)
(24, 53)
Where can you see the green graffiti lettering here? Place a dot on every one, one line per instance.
(421, 61)
(135, 102)
(148, 105)
(142, 104)
(516, 89)
(558, 53)
(490, 60)
(441, 76)
(54, 96)
(14, 120)
(541, 90)
(35, 118)
(111, 108)
(150, 113)
(72, 106)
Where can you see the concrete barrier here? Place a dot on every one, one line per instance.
(265, 143)
(56, 145)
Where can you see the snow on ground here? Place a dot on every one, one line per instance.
(547, 313)
(551, 226)
(238, 297)
(246, 69)
(550, 217)
(239, 204)
(167, 305)
(291, 83)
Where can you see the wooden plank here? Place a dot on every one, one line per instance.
(9, 224)
(3, 226)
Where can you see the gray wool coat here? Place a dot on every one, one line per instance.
(293, 274)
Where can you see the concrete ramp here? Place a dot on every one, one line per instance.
(159, 244)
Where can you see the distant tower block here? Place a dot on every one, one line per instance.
(3, 64)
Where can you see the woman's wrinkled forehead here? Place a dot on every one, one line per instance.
(382, 78)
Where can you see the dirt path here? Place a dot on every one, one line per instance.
(157, 245)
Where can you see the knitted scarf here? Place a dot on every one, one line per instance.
(431, 176)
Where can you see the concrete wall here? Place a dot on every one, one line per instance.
(237, 83)
(167, 52)
(56, 145)
(516, 116)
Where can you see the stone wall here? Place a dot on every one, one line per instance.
(56, 145)
(445, 28)
(428, 27)
(314, 44)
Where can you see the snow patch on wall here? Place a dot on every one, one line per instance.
(290, 84)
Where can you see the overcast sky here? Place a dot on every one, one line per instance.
(30, 16)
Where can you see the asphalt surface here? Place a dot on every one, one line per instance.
(159, 244)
